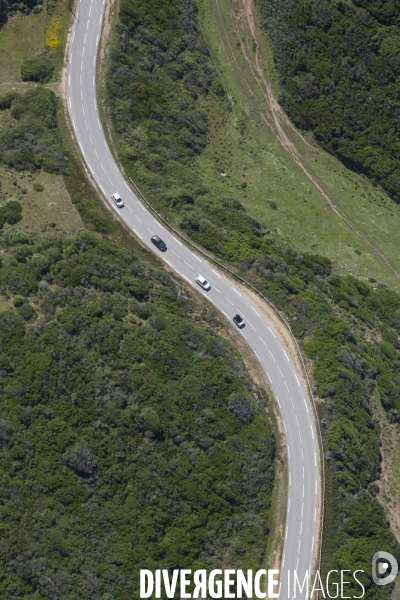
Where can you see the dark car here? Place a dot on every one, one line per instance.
(237, 319)
(159, 243)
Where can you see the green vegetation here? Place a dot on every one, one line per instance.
(38, 68)
(21, 37)
(37, 139)
(34, 142)
(51, 207)
(34, 139)
(7, 7)
(10, 213)
(240, 145)
(349, 329)
(132, 435)
(339, 71)
(159, 85)
(136, 435)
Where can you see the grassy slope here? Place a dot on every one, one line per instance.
(303, 218)
(23, 36)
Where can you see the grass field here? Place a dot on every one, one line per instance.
(21, 37)
(40, 210)
(260, 171)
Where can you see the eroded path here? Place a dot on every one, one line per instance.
(242, 19)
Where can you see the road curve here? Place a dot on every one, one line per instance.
(301, 435)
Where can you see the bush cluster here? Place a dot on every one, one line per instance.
(34, 142)
(10, 213)
(38, 68)
(159, 68)
(131, 434)
(9, 6)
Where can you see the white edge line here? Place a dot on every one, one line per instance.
(177, 240)
(138, 234)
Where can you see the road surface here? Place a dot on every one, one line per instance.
(301, 435)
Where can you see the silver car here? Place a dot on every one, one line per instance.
(203, 283)
(118, 200)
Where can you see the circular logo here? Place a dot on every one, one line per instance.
(381, 561)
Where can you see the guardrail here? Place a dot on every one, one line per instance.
(281, 317)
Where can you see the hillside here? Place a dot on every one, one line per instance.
(339, 68)
(349, 329)
(132, 435)
(131, 432)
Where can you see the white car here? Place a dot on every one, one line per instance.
(203, 283)
(118, 200)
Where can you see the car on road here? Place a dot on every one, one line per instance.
(157, 241)
(118, 200)
(203, 283)
(237, 319)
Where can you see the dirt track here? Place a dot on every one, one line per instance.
(244, 25)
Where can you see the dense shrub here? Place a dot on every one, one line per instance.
(131, 434)
(339, 68)
(38, 68)
(34, 143)
(9, 6)
(159, 67)
(10, 213)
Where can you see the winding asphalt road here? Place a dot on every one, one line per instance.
(301, 436)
